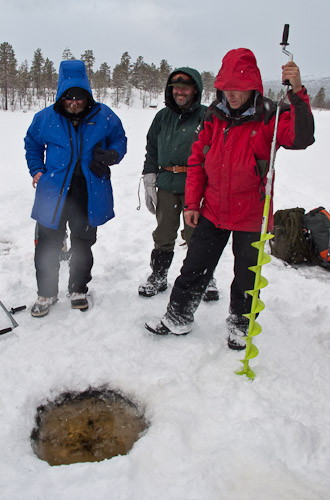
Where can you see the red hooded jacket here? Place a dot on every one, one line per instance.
(230, 159)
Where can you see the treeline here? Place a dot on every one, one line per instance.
(25, 86)
(319, 101)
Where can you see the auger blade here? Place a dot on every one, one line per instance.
(251, 353)
(257, 308)
(255, 330)
(258, 244)
(263, 282)
(267, 236)
(248, 372)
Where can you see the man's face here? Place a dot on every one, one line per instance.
(74, 106)
(236, 98)
(183, 96)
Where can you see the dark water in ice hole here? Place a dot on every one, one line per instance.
(86, 427)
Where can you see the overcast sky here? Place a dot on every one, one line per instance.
(195, 33)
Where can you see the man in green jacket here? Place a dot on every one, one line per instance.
(169, 142)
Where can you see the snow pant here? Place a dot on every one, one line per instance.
(169, 209)
(205, 249)
(50, 243)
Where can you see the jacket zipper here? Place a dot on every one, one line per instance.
(225, 132)
(70, 163)
(66, 175)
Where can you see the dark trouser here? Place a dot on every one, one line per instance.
(169, 209)
(204, 252)
(50, 243)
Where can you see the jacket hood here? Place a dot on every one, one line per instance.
(195, 75)
(239, 71)
(72, 74)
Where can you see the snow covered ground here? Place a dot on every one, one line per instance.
(213, 435)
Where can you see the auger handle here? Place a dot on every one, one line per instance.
(285, 35)
(14, 310)
(284, 43)
(5, 330)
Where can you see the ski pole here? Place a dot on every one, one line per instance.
(263, 258)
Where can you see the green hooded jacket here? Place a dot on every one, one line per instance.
(171, 135)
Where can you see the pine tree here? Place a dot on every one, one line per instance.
(208, 85)
(271, 94)
(319, 99)
(36, 71)
(102, 80)
(49, 80)
(67, 55)
(23, 83)
(8, 71)
(89, 60)
(164, 72)
(121, 78)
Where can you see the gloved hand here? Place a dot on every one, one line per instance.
(149, 181)
(102, 160)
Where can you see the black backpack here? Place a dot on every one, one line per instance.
(317, 232)
(289, 242)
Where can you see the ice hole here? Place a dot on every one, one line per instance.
(86, 427)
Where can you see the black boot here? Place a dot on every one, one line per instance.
(157, 281)
(211, 293)
(238, 327)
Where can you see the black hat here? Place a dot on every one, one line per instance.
(75, 93)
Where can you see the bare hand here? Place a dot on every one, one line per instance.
(36, 179)
(191, 217)
(290, 71)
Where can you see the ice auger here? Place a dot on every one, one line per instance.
(263, 258)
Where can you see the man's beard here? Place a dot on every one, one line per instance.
(184, 102)
(76, 110)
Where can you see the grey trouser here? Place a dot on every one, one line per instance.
(169, 209)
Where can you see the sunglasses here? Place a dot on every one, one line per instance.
(180, 79)
(73, 98)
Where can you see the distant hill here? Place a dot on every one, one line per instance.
(312, 83)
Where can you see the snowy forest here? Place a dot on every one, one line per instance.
(25, 86)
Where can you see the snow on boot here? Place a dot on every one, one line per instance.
(211, 293)
(157, 281)
(154, 284)
(157, 328)
(238, 329)
(79, 301)
(42, 305)
(164, 327)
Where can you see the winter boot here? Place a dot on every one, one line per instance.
(42, 305)
(79, 301)
(157, 281)
(211, 293)
(165, 327)
(238, 327)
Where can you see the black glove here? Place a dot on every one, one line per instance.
(102, 159)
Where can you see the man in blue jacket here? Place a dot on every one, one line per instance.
(69, 149)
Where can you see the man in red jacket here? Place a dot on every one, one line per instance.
(225, 187)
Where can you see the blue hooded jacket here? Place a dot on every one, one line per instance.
(53, 146)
